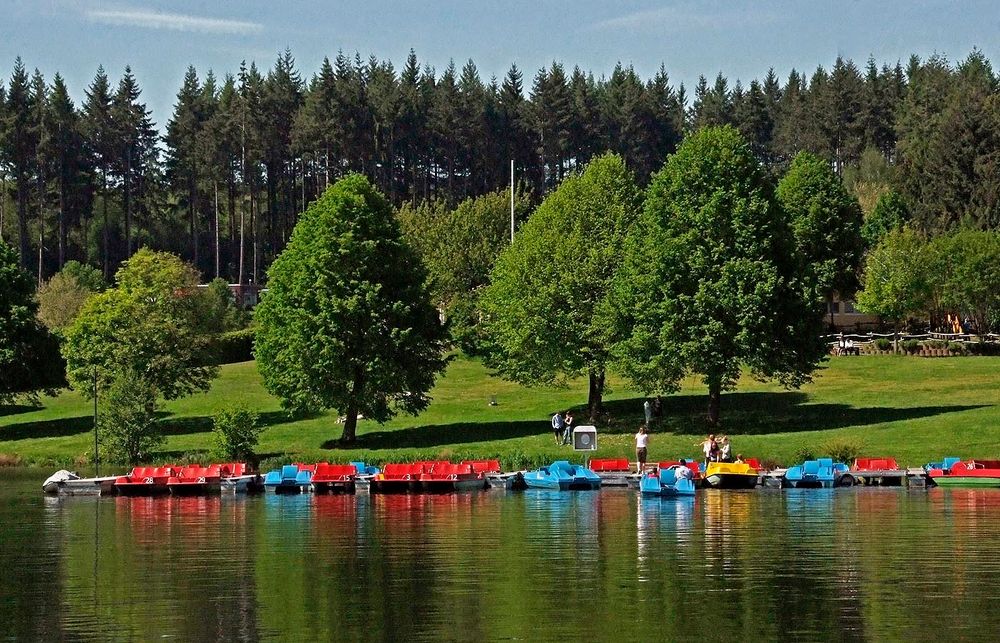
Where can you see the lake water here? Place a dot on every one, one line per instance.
(854, 564)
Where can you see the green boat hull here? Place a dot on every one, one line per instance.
(967, 481)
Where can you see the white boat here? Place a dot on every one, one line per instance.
(68, 483)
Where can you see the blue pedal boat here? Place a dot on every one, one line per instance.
(666, 483)
(365, 469)
(563, 476)
(945, 464)
(823, 472)
(291, 478)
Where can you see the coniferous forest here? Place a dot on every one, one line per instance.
(221, 180)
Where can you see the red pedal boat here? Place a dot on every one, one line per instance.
(145, 481)
(334, 478)
(451, 477)
(972, 473)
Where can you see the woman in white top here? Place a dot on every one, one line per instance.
(641, 442)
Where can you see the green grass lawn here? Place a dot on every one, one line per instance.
(914, 409)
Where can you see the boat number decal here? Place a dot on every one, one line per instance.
(201, 480)
(148, 481)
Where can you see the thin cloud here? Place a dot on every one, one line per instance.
(679, 18)
(149, 19)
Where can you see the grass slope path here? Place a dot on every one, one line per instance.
(911, 408)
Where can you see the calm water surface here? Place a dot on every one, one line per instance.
(854, 564)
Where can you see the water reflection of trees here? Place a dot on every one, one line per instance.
(855, 564)
(136, 567)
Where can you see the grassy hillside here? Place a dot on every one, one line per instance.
(912, 408)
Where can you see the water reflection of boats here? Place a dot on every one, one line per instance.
(562, 476)
(290, 478)
(666, 483)
(822, 472)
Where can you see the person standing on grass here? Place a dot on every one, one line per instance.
(557, 426)
(647, 410)
(709, 448)
(568, 430)
(641, 442)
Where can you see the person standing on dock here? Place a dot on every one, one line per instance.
(558, 426)
(641, 442)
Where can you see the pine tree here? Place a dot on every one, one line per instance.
(19, 150)
(99, 137)
(135, 151)
(184, 131)
(70, 166)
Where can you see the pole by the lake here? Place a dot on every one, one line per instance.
(512, 200)
(97, 459)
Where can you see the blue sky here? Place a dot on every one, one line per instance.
(159, 38)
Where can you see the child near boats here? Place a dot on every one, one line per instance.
(641, 442)
(725, 449)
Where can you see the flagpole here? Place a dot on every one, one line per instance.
(512, 200)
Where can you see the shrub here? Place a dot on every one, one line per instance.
(983, 348)
(232, 347)
(883, 344)
(956, 348)
(842, 450)
(237, 432)
(127, 427)
(911, 346)
(803, 454)
(936, 344)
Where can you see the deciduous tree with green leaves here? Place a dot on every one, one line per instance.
(547, 286)
(147, 324)
(826, 224)
(460, 247)
(709, 282)
(890, 213)
(29, 355)
(127, 427)
(896, 282)
(969, 275)
(347, 322)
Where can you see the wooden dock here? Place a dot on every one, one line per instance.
(913, 477)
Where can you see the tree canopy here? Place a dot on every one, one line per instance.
(709, 283)
(147, 324)
(896, 282)
(347, 322)
(826, 224)
(540, 307)
(29, 355)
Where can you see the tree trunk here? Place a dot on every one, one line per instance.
(107, 233)
(714, 399)
(62, 222)
(3, 202)
(242, 246)
(215, 185)
(24, 244)
(595, 395)
(127, 203)
(351, 420)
